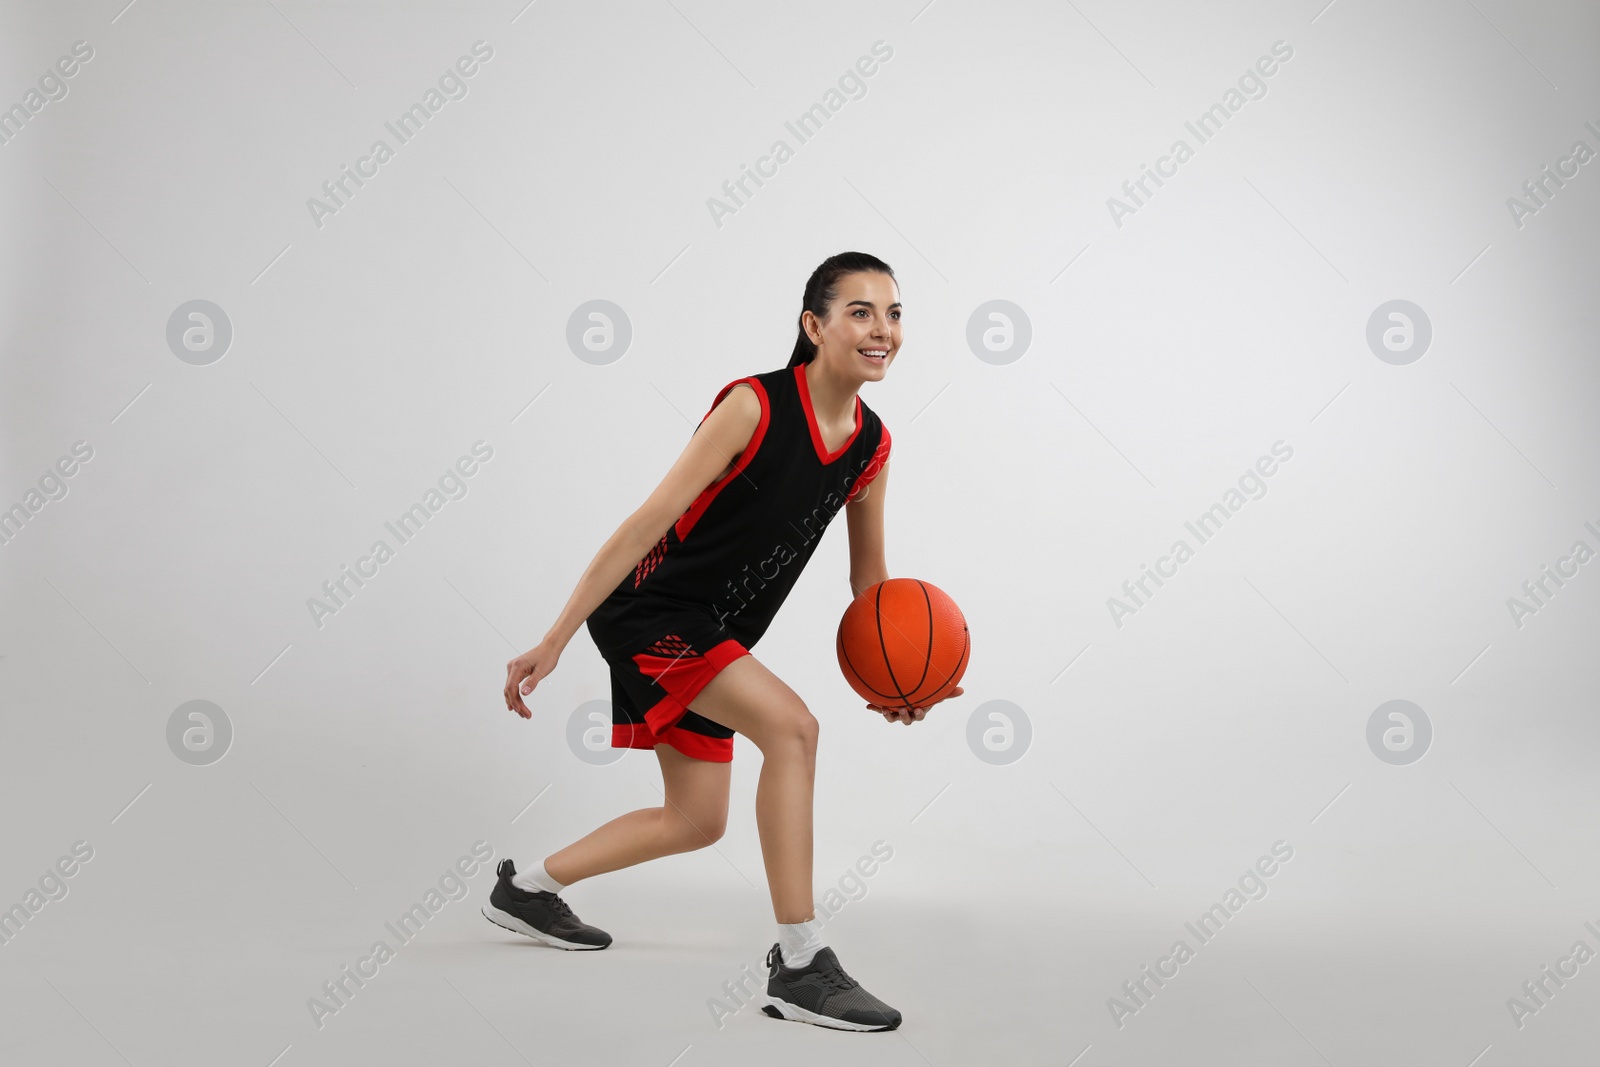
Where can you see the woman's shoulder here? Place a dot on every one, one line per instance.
(756, 391)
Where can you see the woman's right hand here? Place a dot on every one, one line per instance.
(524, 673)
(909, 715)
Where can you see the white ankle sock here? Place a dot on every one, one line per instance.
(536, 880)
(799, 942)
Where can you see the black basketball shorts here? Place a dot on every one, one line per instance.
(654, 679)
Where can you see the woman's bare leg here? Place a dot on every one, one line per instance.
(748, 698)
(693, 814)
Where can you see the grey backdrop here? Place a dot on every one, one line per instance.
(1109, 775)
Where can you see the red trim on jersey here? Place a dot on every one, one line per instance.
(687, 520)
(811, 420)
(879, 458)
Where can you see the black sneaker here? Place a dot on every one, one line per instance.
(822, 994)
(542, 916)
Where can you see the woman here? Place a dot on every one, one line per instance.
(676, 598)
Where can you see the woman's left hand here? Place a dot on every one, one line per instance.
(910, 715)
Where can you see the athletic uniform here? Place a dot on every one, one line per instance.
(706, 592)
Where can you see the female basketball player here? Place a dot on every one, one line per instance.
(676, 598)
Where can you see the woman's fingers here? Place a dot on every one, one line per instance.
(899, 714)
(516, 671)
(910, 715)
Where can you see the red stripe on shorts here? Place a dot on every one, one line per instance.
(683, 677)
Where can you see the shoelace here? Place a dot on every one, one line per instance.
(835, 978)
(557, 905)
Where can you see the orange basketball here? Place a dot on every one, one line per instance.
(903, 643)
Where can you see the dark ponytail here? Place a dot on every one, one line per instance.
(821, 290)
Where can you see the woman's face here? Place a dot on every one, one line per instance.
(864, 318)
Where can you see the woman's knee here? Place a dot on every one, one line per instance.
(691, 830)
(712, 827)
(793, 731)
(745, 696)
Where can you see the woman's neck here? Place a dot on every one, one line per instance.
(832, 400)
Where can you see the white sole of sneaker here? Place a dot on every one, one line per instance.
(782, 1009)
(507, 921)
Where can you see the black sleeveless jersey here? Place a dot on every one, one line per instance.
(733, 555)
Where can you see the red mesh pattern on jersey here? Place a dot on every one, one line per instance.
(650, 561)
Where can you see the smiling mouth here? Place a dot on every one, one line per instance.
(882, 357)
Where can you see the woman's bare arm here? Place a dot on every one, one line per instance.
(864, 517)
(868, 567)
(720, 437)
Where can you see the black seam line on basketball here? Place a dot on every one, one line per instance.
(843, 651)
(966, 645)
(877, 606)
(877, 599)
(928, 659)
